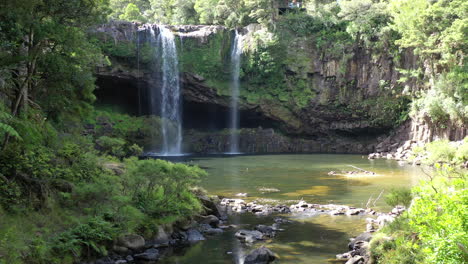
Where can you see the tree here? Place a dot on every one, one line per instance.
(132, 13)
(366, 19)
(48, 57)
(206, 10)
(436, 30)
(118, 7)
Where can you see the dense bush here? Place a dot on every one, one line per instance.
(435, 229)
(162, 189)
(400, 196)
(442, 151)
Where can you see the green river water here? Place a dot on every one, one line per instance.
(308, 239)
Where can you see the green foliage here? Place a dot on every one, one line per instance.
(209, 59)
(5, 128)
(446, 102)
(434, 230)
(132, 129)
(85, 240)
(368, 20)
(119, 7)
(112, 146)
(132, 13)
(443, 152)
(161, 189)
(440, 151)
(432, 28)
(399, 197)
(57, 55)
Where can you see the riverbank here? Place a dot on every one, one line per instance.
(214, 221)
(454, 153)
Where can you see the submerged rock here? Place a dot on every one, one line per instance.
(260, 255)
(151, 254)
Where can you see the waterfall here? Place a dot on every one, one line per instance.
(170, 105)
(236, 53)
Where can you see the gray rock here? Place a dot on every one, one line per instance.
(207, 229)
(194, 235)
(211, 206)
(120, 249)
(133, 242)
(366, 237)
(163, 235)
(105, 260)
(344, 256)
(210, 220)
(249, 236)
(260, 255)
(266, 230)
(355, 260)
(151, 254)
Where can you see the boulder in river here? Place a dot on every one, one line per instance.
(267, 231)
(249, 236)
(366, 237)
(209, 219)
(194, 235)
(260, 255)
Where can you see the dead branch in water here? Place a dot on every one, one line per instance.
(363, 170)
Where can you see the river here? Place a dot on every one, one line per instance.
(287, 179)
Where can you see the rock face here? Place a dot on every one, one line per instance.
(330, 102)
(413, 133)
(259, 140)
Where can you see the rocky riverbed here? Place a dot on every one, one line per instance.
(133, 248)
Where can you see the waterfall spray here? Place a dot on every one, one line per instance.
(170, 105)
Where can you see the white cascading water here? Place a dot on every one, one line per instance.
(171, 126)
(236, 53)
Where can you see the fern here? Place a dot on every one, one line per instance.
(7, 128)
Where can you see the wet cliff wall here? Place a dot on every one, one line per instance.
(298, 85)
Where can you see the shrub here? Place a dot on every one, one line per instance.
(162, 189)
(461, 155)
(440, 151)
(400, 196)
(135, 150)
(112, 146)
(88, 239)
(434, 229)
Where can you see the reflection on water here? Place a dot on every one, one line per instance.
(311, 239)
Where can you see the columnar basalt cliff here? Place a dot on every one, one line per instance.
(289, 84)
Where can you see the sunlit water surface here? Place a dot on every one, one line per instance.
(309, 239)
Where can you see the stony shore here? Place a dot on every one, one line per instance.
(133, 248)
